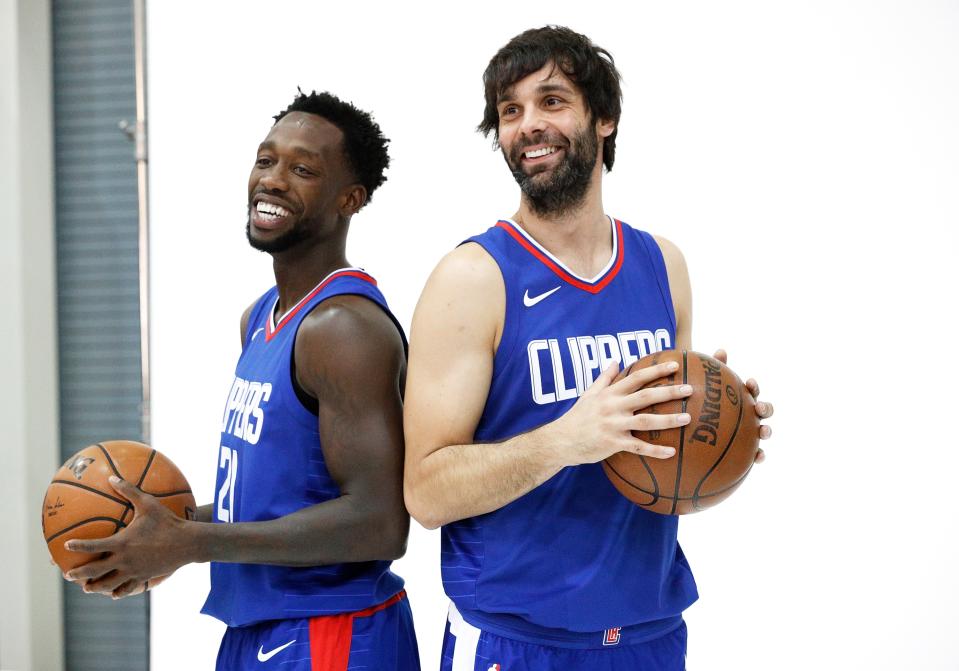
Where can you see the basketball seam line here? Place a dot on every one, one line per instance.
(109, 460)
(739, 421)
(628, 482)
(81, 523)
(127, 507)
(146, 468)
(654, 493)
(176, 493)
(682, 440)
(652, 476)
(122, 502)
(143, 476)
(709, 494)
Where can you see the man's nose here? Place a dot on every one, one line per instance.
(274, 178)
(533, 121)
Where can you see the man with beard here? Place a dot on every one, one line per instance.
(513, 401)
(309, 507)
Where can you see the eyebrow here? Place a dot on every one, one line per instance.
(271, 146)
(509, 93)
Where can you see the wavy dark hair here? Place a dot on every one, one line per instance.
(364, 144)
(589, 66)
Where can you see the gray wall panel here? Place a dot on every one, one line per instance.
(99, 333)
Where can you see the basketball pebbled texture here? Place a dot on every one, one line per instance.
(81, 503)
(714, 452)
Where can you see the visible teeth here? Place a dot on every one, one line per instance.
(540, 152)
(269, 208)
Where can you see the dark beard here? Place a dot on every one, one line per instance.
(565, 189)
(288, 240)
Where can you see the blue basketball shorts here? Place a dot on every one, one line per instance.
(467, 648)
(380, 637)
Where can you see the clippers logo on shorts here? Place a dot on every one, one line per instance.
(495, 667)
(563, 371)
(611, 636)
(243, 416)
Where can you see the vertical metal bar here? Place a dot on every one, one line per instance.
(143, 246)
(140, 137)
(143, 238)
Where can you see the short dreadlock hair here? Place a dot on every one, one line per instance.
(363, 142)
(590, 67)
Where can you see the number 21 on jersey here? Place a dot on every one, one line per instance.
(224, 499)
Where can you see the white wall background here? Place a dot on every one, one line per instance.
(803, 155)
(31, 635)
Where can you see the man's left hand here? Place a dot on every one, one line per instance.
(764, 409)
(152, 546)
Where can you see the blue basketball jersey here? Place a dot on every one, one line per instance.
(573, 558)
(270, 463)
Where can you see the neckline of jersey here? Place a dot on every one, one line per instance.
(594, 285)
(273, 327)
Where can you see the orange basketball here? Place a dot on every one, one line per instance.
(714, 452)
(81, 503)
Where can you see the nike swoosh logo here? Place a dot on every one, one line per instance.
(530, 302)
(266, 656)
(255, 333)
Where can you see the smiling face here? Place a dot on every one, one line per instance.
(299, 184)
(549, 139)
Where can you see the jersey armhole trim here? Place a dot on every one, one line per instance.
(255, 316)
(272, 330)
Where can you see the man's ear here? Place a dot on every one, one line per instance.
(605, 128)
(352, 199)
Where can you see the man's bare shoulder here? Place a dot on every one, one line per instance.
(245, 321)
(678, 276)
(464, 298)
(465, 287)
(349, 323)
(671, 253)
(469, 266)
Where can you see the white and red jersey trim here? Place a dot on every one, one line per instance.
(273, 326)
(593, 285)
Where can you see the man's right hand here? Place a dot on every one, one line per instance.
(602, 420)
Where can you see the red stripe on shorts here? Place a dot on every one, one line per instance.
(330, 636)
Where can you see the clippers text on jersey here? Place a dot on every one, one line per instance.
(585, 357)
